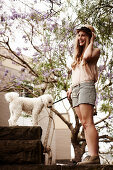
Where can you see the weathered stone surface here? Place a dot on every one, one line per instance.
(20, 133)
(88, 167)
(55, 167)
(30, 167)
(21, 145)
(20, 151)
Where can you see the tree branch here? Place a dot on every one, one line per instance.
(103, 119)
(63, 119)
(20, 59)
(9, 58)
(106, 136)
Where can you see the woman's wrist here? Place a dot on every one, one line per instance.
(92, 38)
(92, 42)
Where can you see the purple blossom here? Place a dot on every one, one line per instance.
(23, 16)
(46, 74)
(64, 75)
(70, 49)
(44, 16)
(101, 68)
(35, 54)
(35, 1)
(24, 36)
(110, 117)
(10, 24)
(25, 49)
(13, 62)
(96, 43)
(6, 72)
(51, 27)
(22, 69)
(18, 51)
(2, 32)
(0, 6)
(13, 77)
(75, 30)
(19, 83)
(46, 49)
(52, 70)
(12, 17)
(97, 100)
(109, 75)
(61, 46)
(15, 15)
(58, 69)
(35, 59)
(22, 78)
(101, 97)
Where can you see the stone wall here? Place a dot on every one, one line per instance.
(56, 167)
(21, 145)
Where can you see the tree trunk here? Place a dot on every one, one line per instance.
(79, 151)
(78, 145)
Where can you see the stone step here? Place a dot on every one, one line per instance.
(56, 167)
(21, 145)
(20, 132)
(20, 151)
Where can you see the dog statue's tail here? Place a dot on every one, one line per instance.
(11, 96)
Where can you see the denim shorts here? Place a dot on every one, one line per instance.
(84, 93)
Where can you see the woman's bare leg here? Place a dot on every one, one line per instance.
(91, 134)
(77, 110)
(85, 114)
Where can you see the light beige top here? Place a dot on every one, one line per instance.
(84, 72)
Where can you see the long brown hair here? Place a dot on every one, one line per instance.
(78, 52)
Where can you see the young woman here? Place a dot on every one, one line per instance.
(84, 76)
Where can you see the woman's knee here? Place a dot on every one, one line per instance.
(86, 123)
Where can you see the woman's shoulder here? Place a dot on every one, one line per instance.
(95, 55)
(96, 50)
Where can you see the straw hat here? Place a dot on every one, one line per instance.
(90, 27)
(87, 29)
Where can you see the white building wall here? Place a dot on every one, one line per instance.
(4, 111)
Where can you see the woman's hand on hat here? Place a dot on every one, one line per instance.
(93, 37)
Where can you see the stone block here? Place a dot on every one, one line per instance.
(20, 133)
(88, 167)
(21, 151)
(30, 167)
(55, 167)
(21, 145)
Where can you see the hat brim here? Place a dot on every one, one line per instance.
(86, 30)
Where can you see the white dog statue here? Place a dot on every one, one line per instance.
(31, 106)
